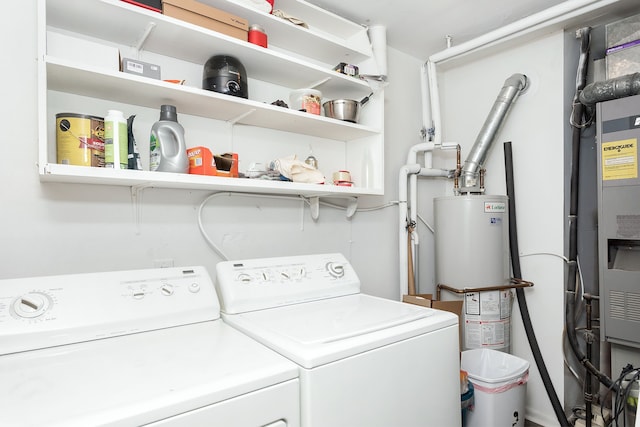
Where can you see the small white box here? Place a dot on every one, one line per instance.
(140, 68)
(82, 51)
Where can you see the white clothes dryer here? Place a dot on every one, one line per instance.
(363, 360)
(131, 348)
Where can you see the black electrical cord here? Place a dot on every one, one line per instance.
(522, 301)
(624, 384)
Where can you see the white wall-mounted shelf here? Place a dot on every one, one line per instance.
(64, 76)
(125, 25)
(99, 18)
(146, 179)
(329, 37)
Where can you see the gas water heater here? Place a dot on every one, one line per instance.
(472, 251)
(472, 238)
(618, 124)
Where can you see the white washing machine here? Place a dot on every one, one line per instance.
(131, 348)
(363, 360)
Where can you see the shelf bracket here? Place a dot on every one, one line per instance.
(319, 82)
(314, 206)
(143, 39)
(352, 207)
(240, 117)
(136, 200)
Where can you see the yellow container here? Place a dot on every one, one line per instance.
(80, 139)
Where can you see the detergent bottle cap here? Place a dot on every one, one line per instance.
(168, 112)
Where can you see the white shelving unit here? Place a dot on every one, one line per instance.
(119, 23)
(331, 38)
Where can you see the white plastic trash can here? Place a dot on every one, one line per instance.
(500, 387)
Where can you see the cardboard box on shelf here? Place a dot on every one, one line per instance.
(206, 16)
(426, 300)
(202, 162)
(226, 165)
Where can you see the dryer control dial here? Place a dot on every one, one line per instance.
(32, 304)
(335, 269)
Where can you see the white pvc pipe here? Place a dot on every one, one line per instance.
(412, 155)
(555, 15)
(552, 16)
(424, 90)
(431, 118)
(434, 99)
(412, 158)
(378, 38)
(403, 254)
(407, 196)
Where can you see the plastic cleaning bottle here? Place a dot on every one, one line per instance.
(133, 153)
(168, 149)
(115, 140)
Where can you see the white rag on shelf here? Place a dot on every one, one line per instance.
(262, 5)
(298, 171)
(284, 15)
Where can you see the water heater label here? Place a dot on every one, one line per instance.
(487, 319)
(620, 159)
(495, 207)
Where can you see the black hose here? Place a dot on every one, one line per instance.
(572, 274)
(522, 301)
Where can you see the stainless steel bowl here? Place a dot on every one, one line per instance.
(343, 109)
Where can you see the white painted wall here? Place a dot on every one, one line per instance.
(53, 228)
(49, 228)
(535, 128)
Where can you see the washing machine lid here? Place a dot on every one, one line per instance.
(319, 332)
(135, 379)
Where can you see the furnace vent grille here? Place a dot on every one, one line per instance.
(616, 305)
(633, 307)
(624, 306)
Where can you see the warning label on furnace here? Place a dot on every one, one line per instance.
(620, 159)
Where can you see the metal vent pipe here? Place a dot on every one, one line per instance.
(513, 86)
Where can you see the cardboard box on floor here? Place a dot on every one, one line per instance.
(426, 300)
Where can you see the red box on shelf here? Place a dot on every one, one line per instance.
(155, 5)
(202, 162)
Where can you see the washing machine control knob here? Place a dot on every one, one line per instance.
(167, 289)
(32, 304)
(335, 269)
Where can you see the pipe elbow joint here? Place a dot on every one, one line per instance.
(518, 81)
